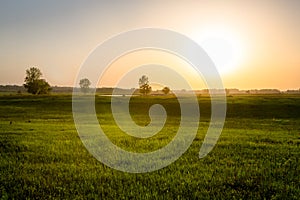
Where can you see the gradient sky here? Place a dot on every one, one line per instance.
(57, 36)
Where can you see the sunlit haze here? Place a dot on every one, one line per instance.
(254, 44)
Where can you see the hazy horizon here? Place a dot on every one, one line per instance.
(160, 88)
(254, 44)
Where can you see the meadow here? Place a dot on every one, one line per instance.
(256, 157)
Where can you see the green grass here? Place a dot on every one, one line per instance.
(256, 157)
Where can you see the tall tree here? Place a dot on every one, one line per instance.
(33, 82)
(145, 88)
(84, 85)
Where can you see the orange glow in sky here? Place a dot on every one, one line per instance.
(254, 44)
(122, 67)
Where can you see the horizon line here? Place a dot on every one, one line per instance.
(111, 87)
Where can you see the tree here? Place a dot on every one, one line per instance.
(84, 85)
(166, 90)
(34, 84)
(145, 88)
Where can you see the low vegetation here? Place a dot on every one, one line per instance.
(256, 157)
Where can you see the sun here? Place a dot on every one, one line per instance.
(223, 47)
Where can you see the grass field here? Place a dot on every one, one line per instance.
(256, 157)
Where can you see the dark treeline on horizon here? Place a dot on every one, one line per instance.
(109, 90)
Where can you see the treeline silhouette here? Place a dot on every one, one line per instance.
(109, 90)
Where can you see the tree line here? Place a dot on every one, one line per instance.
(37, 85)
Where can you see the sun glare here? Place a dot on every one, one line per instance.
(223, 47)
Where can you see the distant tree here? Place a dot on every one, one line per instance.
(166, 90)
(145, 88)
(34, 84)
(227, 91)
(85, 85)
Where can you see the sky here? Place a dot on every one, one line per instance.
(254, 44)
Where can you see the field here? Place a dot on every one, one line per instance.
(256, 157)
